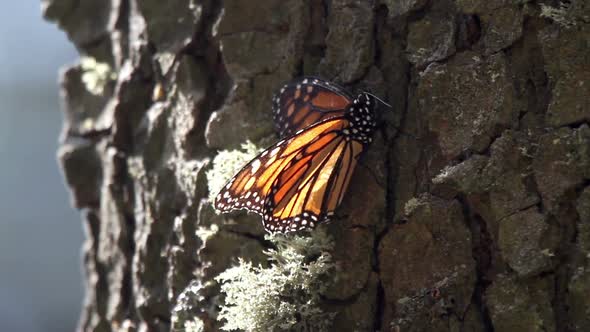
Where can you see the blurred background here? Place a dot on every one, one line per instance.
(40, 233)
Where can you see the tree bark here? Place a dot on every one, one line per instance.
(469, 212)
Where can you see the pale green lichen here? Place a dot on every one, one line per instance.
(563, 15)
(284, 296)
(96, 75)
(205, 232)
(411, 205)
(226, 164)
(189, 304)
(195, 325)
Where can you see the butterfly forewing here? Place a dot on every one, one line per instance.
(312, 185)
(252, 185)
(303, 103)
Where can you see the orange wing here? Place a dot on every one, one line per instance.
(307, 101)
(253, 184)
(312, 185)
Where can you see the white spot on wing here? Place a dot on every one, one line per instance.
(255, 166)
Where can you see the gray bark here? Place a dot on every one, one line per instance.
(472, 209)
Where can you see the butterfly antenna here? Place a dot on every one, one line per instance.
(384, 103)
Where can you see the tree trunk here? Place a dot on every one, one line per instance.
(469, 212)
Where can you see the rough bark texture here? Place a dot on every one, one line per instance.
(471, 211)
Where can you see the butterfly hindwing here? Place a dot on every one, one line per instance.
(247, 189)
(305, 102)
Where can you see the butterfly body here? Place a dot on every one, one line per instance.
(361, 118)
(299, 181)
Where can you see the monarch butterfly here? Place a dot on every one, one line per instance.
(299, 181)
